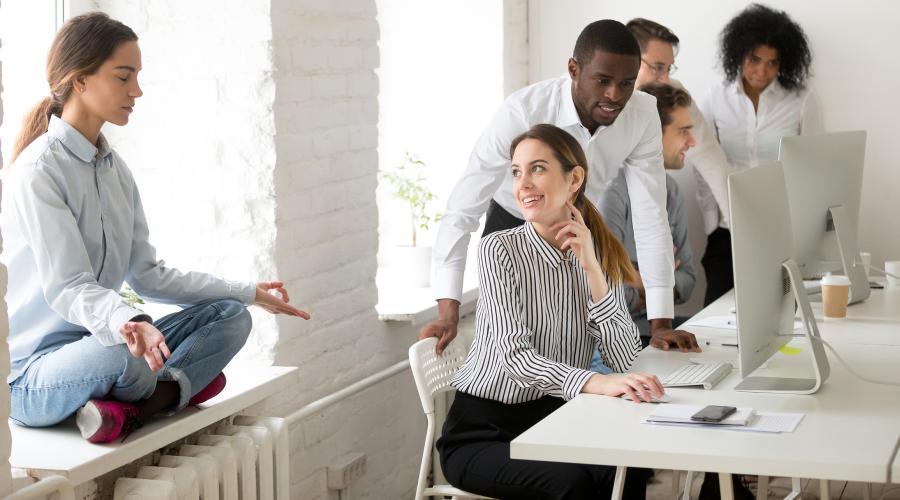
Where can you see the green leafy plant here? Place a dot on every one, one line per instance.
(408, 184)
(131, 297)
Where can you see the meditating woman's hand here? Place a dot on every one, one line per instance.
(276, 304)
(144, 340)
(639, 386)
(575, 234)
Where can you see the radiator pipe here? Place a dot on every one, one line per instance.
(346, 392)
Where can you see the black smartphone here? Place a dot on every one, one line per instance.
(713, 413)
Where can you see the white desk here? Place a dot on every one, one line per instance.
(850, 430)
(875, 321)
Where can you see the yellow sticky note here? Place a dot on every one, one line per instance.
(790, 351)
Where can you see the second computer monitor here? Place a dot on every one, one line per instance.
(823, 177)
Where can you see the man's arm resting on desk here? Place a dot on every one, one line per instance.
(443, 328)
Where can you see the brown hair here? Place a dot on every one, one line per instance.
(80, 47)
(645, 30)
(613, 258)
(667, 99)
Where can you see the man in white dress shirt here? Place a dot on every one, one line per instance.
(658, 47)
(618, 128)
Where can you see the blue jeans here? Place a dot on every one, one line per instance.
(202, 338)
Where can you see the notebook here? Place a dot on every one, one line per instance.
(681, 414)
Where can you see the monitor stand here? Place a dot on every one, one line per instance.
(845, 234)
(821, 369)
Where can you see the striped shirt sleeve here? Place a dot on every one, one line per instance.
(518, 357)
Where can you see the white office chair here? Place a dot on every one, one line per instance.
(432, 374)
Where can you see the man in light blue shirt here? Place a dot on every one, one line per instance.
(673, 106)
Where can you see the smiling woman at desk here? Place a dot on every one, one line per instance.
(550, 290)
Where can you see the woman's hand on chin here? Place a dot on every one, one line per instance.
(575, 234)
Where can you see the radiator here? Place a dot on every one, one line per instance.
(243, 458)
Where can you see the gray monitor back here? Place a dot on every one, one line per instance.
(761, 242)
(820, 172)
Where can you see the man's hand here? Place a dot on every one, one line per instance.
(144, 340)
(443, 328)
(276, 304)
(662, 336)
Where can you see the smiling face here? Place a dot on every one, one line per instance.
(677, 138)
(109, 94)
(602, 87)
(759, 68)
(540, 185)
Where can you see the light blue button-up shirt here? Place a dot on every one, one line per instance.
(73, 231)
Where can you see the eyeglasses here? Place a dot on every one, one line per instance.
(660, 69)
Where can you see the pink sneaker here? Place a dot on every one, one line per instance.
(210, 391)
(104, 421)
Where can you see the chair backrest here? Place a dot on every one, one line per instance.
(431, 372)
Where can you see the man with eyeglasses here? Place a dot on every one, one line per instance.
(658, 48)
(618, 128)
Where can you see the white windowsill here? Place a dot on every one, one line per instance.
(81, 461)
(418, 306)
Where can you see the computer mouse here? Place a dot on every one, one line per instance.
(665, 398)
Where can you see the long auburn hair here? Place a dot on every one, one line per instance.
(80, 47)
(613, 257)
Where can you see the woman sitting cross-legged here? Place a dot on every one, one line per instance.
(550, 289)
(73, 232)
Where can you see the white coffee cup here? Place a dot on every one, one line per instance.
(892, 267)
(835, 296)
(866, 258)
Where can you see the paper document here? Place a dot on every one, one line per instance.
(726, 322)
(763, 421)
(676, 413)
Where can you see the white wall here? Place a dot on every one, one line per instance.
(854, 74)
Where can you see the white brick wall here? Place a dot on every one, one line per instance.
(326, 114)
(5, 440)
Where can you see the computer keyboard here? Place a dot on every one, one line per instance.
(705, 374)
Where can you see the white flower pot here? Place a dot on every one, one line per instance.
(410, 267)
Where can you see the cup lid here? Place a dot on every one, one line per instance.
(835, 279)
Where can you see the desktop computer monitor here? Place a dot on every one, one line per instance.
(823, 176)
(768, 285)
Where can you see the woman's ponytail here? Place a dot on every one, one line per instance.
(613, 257)
(35, 124)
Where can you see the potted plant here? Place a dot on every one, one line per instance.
(413, 261)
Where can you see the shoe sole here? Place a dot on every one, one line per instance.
(88, 420)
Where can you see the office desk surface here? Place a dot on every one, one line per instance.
(875, 321)
(849, 431)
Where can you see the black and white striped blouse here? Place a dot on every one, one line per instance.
(536, 326)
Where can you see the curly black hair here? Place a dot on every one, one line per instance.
(759, 25)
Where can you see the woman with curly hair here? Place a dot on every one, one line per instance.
(766, 59)
(765, 96)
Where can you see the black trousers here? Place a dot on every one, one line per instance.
(474, 450)
(717, 265)
(499, 219)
